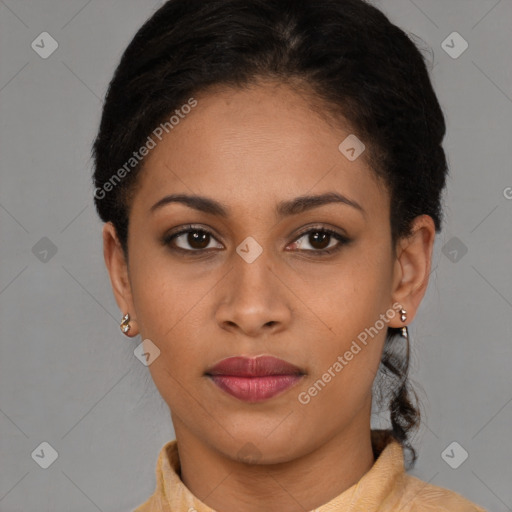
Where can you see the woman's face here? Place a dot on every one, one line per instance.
(253, 280)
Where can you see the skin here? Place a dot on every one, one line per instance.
(251, 149)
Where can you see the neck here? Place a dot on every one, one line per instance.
(304, 483)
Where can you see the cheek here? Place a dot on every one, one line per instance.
(165, 292)
(349, 295)
(353, 299)
(170, 309)
(341, 380)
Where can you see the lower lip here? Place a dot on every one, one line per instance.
(255, 389)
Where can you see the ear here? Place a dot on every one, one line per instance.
(412, 267)
(119, 278)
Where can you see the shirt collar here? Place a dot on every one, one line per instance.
(375, 487)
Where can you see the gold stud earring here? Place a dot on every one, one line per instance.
(125, 324)
(403, 318)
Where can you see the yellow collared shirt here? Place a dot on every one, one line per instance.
(386, 487)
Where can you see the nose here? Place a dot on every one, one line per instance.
(254, 301)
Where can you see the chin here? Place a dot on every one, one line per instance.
(254, 446)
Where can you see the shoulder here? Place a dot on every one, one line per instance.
(420, 496)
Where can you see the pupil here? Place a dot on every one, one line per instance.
(320, 237)
(198, 239)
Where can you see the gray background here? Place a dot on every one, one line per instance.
(67, 374)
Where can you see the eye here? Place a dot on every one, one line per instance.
(321, 240)
(197, 240)
(191, 239)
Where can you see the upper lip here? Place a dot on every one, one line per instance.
(241, 366)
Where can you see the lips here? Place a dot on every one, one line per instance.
(254, 379)
(254, 367)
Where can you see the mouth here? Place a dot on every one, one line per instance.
(254, 379)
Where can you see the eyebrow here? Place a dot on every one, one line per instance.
(285, 208)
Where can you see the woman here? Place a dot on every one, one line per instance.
(270, 175)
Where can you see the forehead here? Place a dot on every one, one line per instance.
(250, 146)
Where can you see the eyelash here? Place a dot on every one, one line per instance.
(342, 239)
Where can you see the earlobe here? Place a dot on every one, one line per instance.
(414, 256)
(118, 271)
